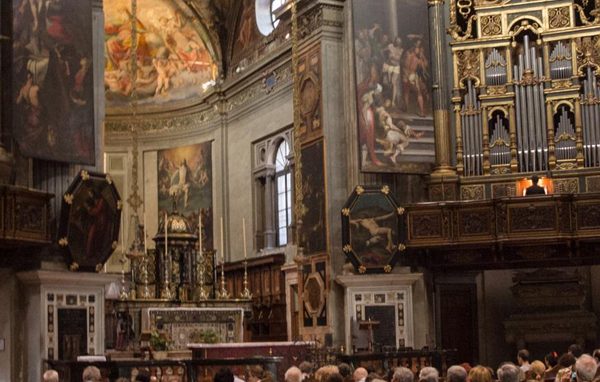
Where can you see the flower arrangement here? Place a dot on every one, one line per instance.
(158, 341)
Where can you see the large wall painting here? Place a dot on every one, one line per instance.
(175, 58)
(185, 176)
(313, 234)
(53, 80)
(393, 82)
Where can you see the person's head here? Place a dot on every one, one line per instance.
(306, 367)
(566, 360)
(142, 376)
(360, 374)
(523, 355)
(223, 375)
(91, 374)
(576, 350)
(345, 370)
(508, 372)
(403, 374)
(535, 179)
(596, 355)
(50, 376)
(586, 368)
(480, 374)
(334, 377)
(293, 374)
(537, 370)
(456, 373)
(551, 359)
(324, 372)
(429, 374)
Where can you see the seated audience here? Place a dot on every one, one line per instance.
(508, 372)
(576, 350)
(50, 376)
(91, 374)
(324, 372)
(537, 370)
(403, 374)
(345, 371)
(479, 374)
(429, 374)
(456, 373)
(523, 361)
(334, 377)
(223, 375)
(293, 374)
(360, 374)
(585, 368)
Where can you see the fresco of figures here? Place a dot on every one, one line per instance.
(174, 59)
(185, 178)
(53, 80)
(393, 82)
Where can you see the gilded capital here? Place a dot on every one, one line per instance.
(432, 3)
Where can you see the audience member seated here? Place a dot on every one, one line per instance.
(324, 372)
(91, 374)
(429, 374)
(50, 376)
(523, 361)
(479, 374)
(293, 374)
(334, 377)
(307, 370)
(585, 368)
(455, 373)
(403, 374)
(536, 372)
(360, 374)
(508, 372)
(576, 350)
(345, 371)
(223, 375)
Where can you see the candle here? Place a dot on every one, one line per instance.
(244, 236)
(123, 234)
(200, 230)
(222, 243)
(145, 237)
(166, 235)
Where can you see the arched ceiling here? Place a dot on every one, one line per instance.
(180, 51)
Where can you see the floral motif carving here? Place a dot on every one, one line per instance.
(468, 65)
(559, 17)
(592, 184)
(491, 25)
(589, 215)
(425, 225)
(566, 186)
(474, 192)
(502, 190)
(475, 222)
(531, 218)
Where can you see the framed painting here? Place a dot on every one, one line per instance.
(185, 179)
(53, 85)
(393, 85)
(373, 229)
(90, 221)
(313, 233)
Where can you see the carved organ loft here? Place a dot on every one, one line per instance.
(525, 95)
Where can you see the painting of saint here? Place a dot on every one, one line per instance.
(90, 220)
(393, 100)
(185, 180)
(175, 59)
(313, 233)
(53, 80)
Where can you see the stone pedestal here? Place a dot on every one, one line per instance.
(398, 301)
(63, 316)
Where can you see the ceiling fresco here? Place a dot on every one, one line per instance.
(176, 59)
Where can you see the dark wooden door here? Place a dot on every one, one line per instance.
(458, 320)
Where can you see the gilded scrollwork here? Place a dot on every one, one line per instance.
(468, 65)
(491, 25)
(588, 53)
(559, 17)
(456, 32)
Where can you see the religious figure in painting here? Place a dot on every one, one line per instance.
(97, 220)
(392, 76)
(377, 232)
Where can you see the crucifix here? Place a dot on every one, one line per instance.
(368, 325)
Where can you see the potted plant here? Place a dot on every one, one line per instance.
(159, 344)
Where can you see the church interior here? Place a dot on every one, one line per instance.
(193, 186)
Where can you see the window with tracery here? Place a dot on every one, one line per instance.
(283, 183)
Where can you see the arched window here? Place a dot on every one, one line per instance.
(267, 15)
(283, 184)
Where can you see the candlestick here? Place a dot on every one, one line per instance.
(166, 292)
(200, 231)
(223, 294)
(246, 292)
(123, 236)
(145, 237)
(244, 237)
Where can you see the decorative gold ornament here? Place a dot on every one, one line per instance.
(401, 247)
(387, 268)
(401, 211)
(362, 269)
(347, 248)
(359, 190)
(85, 175)
(63, 242)
(385, 190)
(346, 211)
(74, 266)
(68, 198)
(491, 25)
